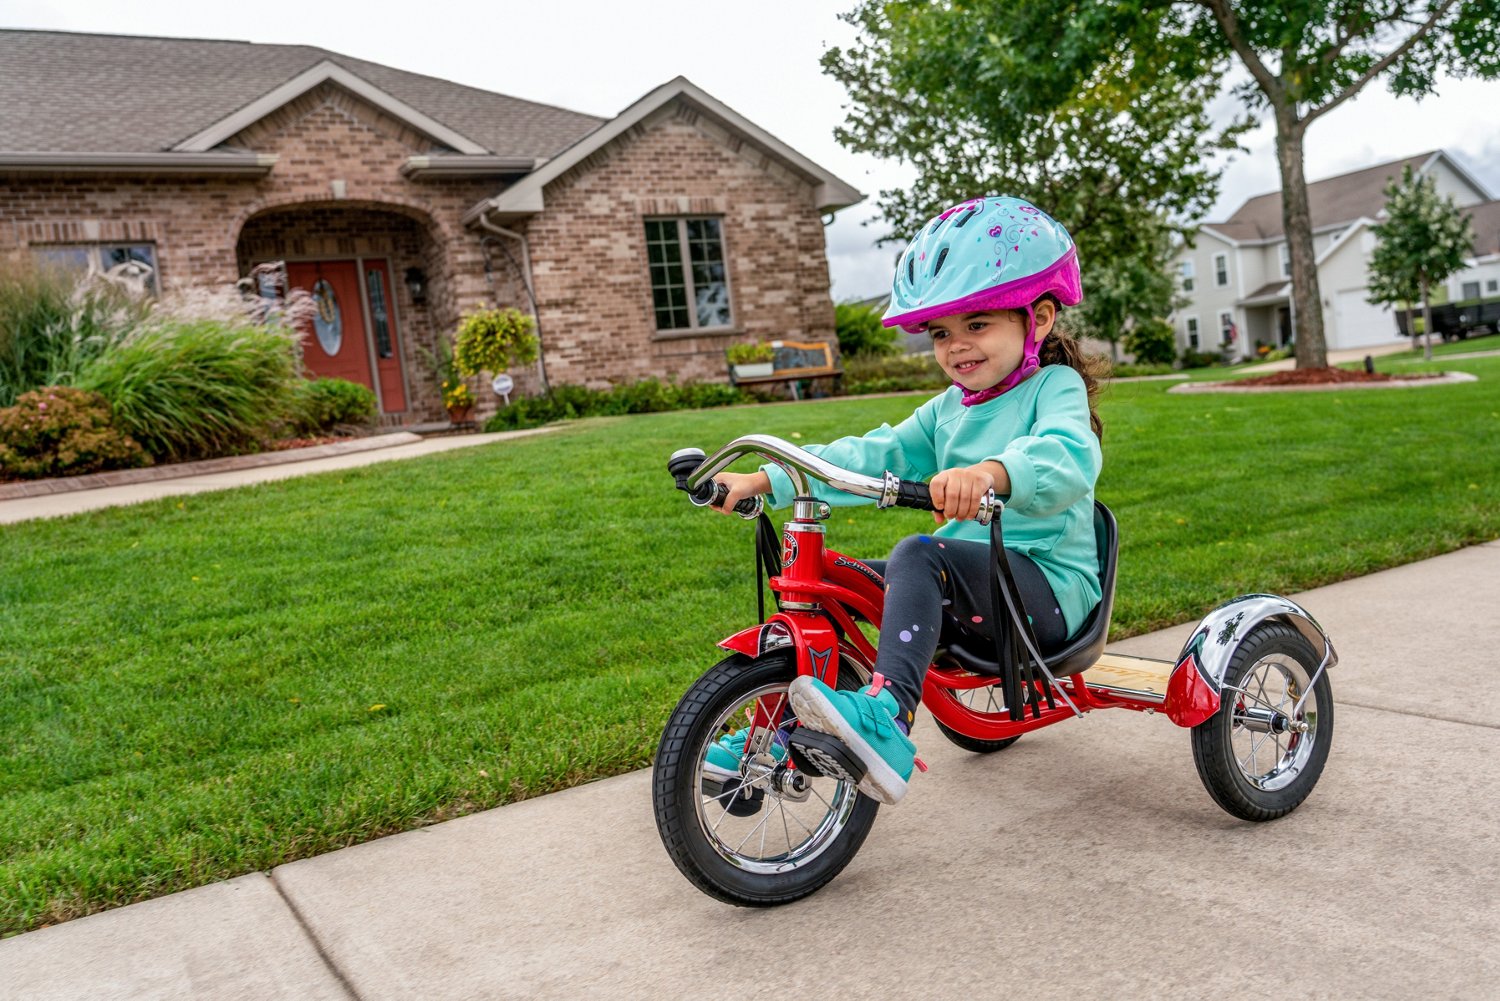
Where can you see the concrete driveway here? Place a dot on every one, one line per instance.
(1085, 861)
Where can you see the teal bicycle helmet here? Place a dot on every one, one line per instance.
(985, 254)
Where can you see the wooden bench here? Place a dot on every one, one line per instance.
(797, 362)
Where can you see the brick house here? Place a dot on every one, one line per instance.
(643, 244)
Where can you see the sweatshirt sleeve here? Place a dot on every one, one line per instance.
(1058, 460)
(906, 450)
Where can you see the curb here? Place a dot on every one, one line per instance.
(227, 464)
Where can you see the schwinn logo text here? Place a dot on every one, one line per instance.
(844, 561)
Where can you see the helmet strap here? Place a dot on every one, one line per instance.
(1030, 362)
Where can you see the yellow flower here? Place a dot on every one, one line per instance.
(376, 707)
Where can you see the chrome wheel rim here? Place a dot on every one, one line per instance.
(1269, 759)
(785, 832)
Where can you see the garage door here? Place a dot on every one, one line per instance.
(1358, 324)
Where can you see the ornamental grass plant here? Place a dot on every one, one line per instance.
(190, 388)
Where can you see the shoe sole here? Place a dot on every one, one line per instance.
(813, 709)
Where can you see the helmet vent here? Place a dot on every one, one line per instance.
(972, 211)
(942, 256)
(911, 270)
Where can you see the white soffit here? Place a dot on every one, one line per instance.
(525, 196)
(325, 71)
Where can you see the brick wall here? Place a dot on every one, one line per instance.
(587, 248)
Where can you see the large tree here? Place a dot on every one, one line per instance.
(1030, 61)
(1113, 157)
(1423, 240)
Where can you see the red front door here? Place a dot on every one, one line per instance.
(334, 344)
(383, 331)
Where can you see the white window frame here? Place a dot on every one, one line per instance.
(1464, 293)
(1284, 252)
(1190, 324)
(1226, 320)
(1188, 274)
(685, 261)
(1221, 270)
(1492, 285)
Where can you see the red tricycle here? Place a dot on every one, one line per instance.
(751, 821)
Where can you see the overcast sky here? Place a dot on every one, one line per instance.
(759, 58)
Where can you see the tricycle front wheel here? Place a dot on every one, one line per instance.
(767, 833)
(1260, 755)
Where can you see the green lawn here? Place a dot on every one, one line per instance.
(197, 689)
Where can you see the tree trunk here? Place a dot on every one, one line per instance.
(1426, 324)
(1312, 351)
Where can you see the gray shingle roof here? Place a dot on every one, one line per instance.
(1332, 200)
(66, 92)
(1486, 219)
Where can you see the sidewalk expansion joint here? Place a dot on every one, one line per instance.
(313, 938)
(1407, 712)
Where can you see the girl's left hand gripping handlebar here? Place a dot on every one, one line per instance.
(710, 493)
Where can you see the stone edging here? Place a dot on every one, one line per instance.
(229, 463)
(1446, 379)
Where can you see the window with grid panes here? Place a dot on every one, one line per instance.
(135, 259)
(689, 279)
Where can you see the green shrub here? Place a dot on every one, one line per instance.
(1198, 359)
(892, 373)
(190, 388)
(750, 353)
(57, 431)
(325, 404)
(1153, 342)
(643, 397)
(54, 321)
(860, 331)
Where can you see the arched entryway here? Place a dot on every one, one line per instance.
(375, 273)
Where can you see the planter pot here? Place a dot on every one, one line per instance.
(753, 370)
(459, 415)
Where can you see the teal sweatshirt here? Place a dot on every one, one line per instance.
(1039, 431)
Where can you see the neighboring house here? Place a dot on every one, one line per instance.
(1238, 276)
(644, 243)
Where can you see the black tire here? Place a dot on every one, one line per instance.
(1249, 768)
(974, 743)
(697, 828)
(987, 701)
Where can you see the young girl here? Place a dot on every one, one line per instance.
(985, 279)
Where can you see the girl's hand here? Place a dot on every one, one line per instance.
(741, 486)
(956, 493)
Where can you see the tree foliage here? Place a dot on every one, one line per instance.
(1096, 110)
(861, 332)
(1424, 239)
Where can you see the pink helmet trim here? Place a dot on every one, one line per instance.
(1061, 278)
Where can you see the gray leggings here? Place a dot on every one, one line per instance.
(939, 589)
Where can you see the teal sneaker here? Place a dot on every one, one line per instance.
(865, 722)
(722, 763)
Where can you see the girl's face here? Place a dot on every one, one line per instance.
(977, 350)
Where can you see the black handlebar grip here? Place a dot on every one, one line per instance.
(914, 495)
(720, 491)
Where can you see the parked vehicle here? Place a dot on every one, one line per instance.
(1252, 684)
(1454, 321)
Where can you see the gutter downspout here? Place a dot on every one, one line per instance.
(536, 316)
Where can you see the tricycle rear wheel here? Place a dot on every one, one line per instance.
(1258, 756)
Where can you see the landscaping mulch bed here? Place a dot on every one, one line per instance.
(1305, 379)
(1324, 376)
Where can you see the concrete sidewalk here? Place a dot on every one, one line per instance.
(403, 447)
(1084, 861)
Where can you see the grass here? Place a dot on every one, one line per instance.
(195, 689)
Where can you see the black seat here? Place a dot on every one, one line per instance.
(1081, 651)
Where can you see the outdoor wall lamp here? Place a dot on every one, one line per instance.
(416, 284)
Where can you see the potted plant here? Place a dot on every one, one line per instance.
(751, 359)
(458, 399)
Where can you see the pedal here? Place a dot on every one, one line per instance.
(824, 754)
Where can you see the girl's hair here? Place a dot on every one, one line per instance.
(1061, 348)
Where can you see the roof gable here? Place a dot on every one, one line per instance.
(325, 71)
(526, 197)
